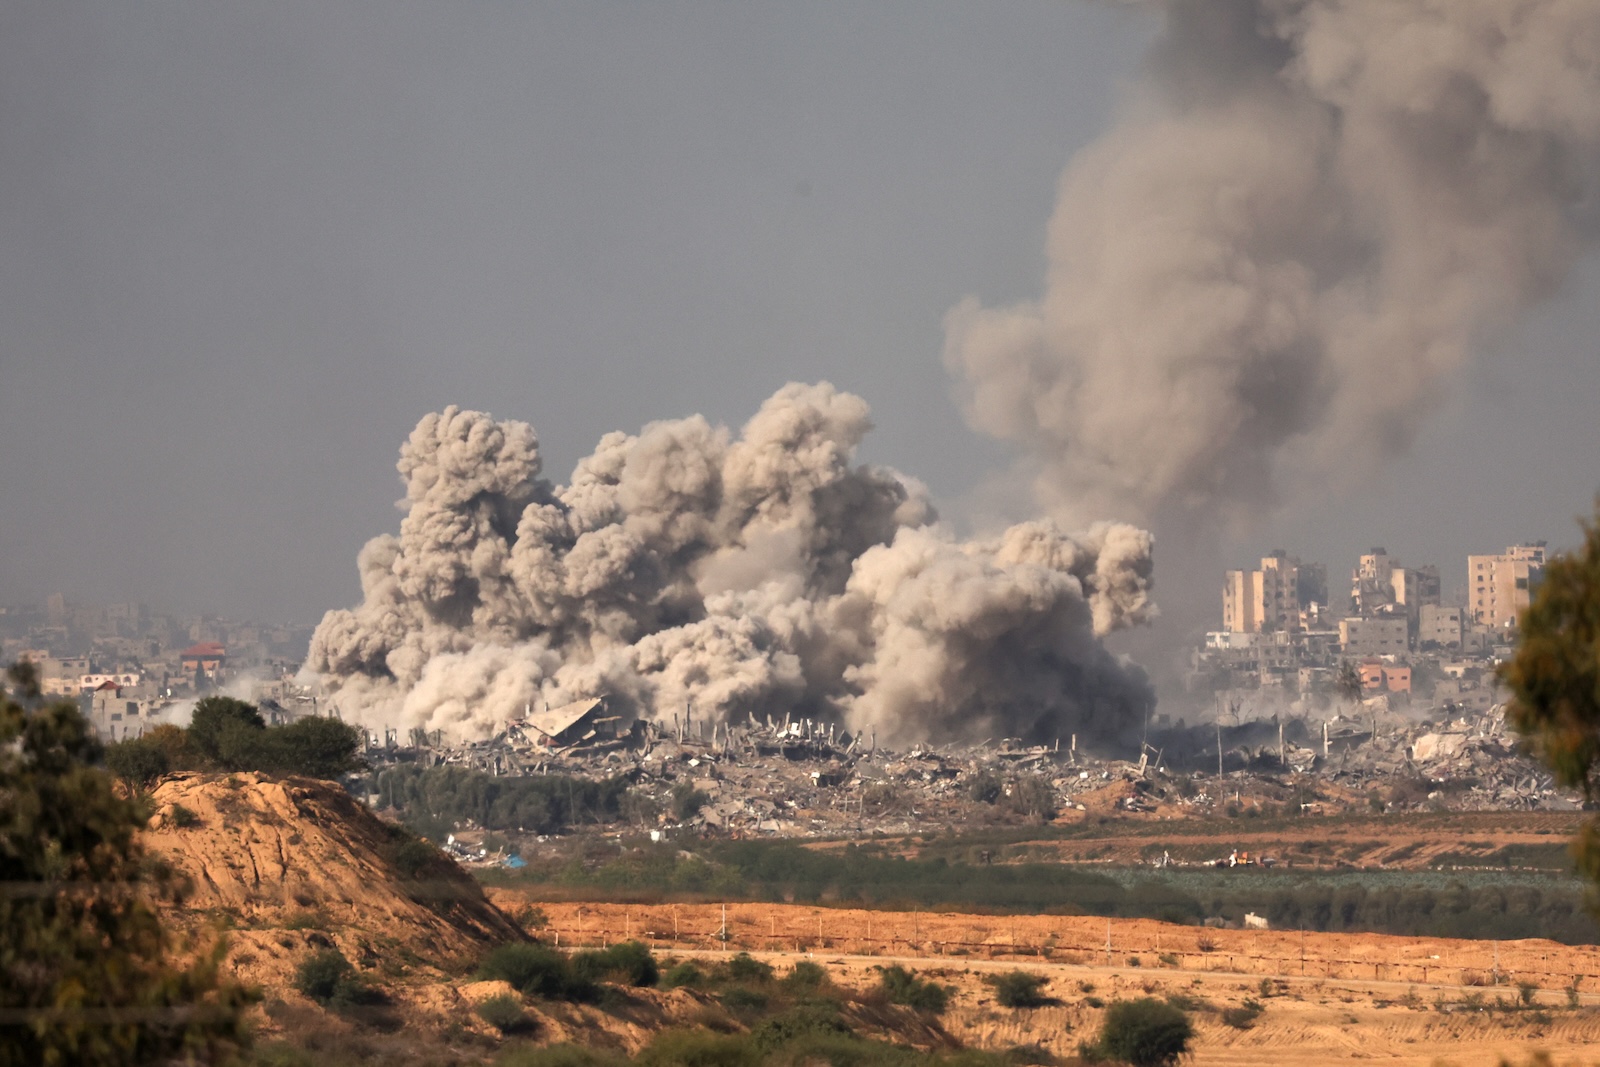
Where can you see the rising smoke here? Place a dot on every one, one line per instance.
(1269, 272)
(760, 574)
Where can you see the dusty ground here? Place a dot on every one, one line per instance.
(1362, 996)
(1418, 841)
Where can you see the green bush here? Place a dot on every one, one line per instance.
(804, 1022)
(505, 1014)
(746, 968)
(329, 979)
(1145, 1033)
(319, 976)
(1018, 989)
(219, 724)
(537, 971)
(687, 801)
(742, 998)
(807, 976)
(625, 963)
(683, 974)
(985, 787)
(139, 762)
(904, 987)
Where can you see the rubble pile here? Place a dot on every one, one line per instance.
(801, 778)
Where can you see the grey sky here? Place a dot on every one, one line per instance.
(246, 246)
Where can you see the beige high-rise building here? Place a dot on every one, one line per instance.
(1267, 599)
(1500, 587)
(1379, 584)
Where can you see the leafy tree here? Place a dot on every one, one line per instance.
(221, 727)
(315, 747)
(137, 762)
(1554, 677)
(85, 976)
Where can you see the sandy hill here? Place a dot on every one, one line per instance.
(291, 863)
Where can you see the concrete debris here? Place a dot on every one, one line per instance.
(800, 778)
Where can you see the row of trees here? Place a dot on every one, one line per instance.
(225, 734)
(432, 800)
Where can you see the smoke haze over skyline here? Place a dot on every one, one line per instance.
(248, 249)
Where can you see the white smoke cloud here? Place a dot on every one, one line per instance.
(1267, 274)
(762, 573)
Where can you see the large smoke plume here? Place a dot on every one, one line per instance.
(1269, 271)
(763, 573)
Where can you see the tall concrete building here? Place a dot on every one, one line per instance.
(1380, 585)
(1271, 598)
(1500, 587)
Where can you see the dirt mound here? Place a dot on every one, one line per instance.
(293, 862)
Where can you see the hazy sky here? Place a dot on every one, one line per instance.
(245, 246)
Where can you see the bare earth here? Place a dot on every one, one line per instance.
(1360, 996)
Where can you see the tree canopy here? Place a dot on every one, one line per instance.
(226, 734)
(85, 962)
(1554, 677)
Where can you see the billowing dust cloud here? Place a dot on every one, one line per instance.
(764, 573)
(1268, 273)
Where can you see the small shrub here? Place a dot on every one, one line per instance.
(1133, 961)
(1526, 991)
(1244, 1016)
(320, 975)
(1144, 1033)
(1018, 989)
(1573, 999)
(1168, 959)
(505, 1014)
(687, 801)
(626, 963)
(537, 971)
(746, 968)
(985, 787)
(682, 974)
(329, 979)
(805, 1022)
(1206, 943)
(807, 976)
(531, 917)
(743, 998)
(904, 987)
(1094, 1002)
(1188, 1002)
(182, 816)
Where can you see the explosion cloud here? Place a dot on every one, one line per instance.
(761, 573)
(1269, 271)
